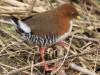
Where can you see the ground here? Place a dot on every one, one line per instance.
(84, 50)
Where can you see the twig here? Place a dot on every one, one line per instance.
(60, 53)
(50, 61)
(30, 8)
(1, 64)
(51, 6)
(5, 22)
(13, 36)
(12, 8)
(12, 12)
(65, 57)
(85, 38)
(32, 68)
(84, 70)
(95, 31)
(16, 3)
(88, 22)
(94, 3)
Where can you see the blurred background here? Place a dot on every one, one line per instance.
(14, 53)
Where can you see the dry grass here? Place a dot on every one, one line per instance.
(24, 58)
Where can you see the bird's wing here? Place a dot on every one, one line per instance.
(43, 23)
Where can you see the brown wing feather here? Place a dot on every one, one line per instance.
(43, 23)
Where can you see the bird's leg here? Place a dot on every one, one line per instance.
(43, 49)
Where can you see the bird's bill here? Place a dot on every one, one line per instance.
(79, 17)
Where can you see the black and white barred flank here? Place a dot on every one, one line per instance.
(47, 40)
(26, 32)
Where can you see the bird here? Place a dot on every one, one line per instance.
(47, 28)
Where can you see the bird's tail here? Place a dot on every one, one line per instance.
(21, 26)
(14, 20)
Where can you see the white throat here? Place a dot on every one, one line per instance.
(65, 35)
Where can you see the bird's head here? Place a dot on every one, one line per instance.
(69, 11)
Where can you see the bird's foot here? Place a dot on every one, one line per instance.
(46, 66)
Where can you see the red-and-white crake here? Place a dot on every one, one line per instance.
(47, 28)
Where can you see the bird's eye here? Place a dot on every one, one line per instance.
(72, 13)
